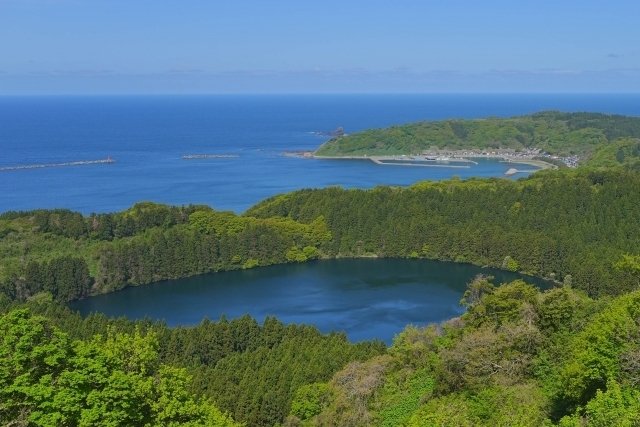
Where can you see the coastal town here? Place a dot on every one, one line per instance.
(529, 156)
(534, 157)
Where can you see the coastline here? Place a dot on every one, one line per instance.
(538, 163)
(454, 156)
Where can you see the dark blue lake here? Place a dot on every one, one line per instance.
(366, 298)
(147, 136)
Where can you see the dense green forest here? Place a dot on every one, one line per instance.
(71, 256)
(48, 379)
(567, 356)
(518, 357)
(574, 226)
(57, 368)
(623, 152)
(550, 131)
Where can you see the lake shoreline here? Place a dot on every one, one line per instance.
(368, 298)
(369, 256)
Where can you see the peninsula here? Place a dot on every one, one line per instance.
(543, 139)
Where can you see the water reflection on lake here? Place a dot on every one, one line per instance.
(366, 298)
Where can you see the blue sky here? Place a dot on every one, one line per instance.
(297, 46)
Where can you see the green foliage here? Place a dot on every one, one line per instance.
(520, 405)
(510, 264)
(46, 379)
(65, 278)
(353, 388)
(218, 223)
(250, 263)
(502, 304)
(309, 400)
(414, 346)
(295, 254)
(517, 357)
(621, 153)
(553, 132)
(249, 370)
(629, 268)
(595, 352)
(476, 289)
(402, 395)
(630, 263)
(510, 361)
(43, 250)
(559, 308)
(212, 241)
(576, 223)
(257, 385)
(483, 356)
(522, 367)
(616, 406)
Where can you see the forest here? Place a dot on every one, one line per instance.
(57, 368)
(72, 256)
(574, 226)
(519, 356)
(553, 132)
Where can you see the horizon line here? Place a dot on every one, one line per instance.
(182, 94)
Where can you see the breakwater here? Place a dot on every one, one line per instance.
(421, 162)
(402, 160)
(108, 160)
(513, 171)
(208, 156)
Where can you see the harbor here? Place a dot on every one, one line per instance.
(423, 161)
(398, 160)
(446, 159)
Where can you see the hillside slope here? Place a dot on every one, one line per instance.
(553, 132)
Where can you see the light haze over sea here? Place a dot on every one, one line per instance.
(147, 137)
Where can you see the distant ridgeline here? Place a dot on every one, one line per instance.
(577, 226)
(563, 134)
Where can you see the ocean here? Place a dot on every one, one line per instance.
(147, 137)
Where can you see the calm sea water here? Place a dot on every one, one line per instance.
(366, 298)
(148, 135)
